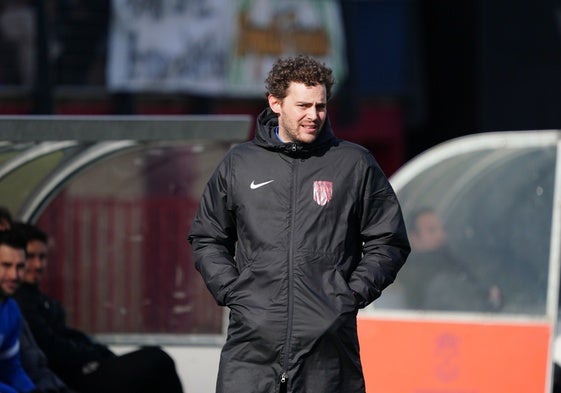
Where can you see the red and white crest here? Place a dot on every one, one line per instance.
(323, 190)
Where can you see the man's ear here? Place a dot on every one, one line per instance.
(274, 103)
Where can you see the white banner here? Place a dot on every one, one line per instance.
(217, 47)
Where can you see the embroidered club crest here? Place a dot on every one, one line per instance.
(323, 190)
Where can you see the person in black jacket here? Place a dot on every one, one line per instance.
(435, 278)
(296, 230)
(84, 364)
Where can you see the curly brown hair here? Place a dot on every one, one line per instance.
(302, 69)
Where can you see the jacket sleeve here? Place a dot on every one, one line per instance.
(213, 235)
(35, 363)
(12, 373)
(384, 238)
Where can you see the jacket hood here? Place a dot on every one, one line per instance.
(265, 136)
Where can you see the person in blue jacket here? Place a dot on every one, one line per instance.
(296, 230)
(13, 378)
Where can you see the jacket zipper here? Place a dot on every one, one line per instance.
(284, 375)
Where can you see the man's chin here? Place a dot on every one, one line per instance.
(7, 292)
(306, 139)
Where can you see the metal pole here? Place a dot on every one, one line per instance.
(43, 91)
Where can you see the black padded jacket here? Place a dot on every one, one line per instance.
(294, 238)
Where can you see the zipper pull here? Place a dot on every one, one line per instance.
(283, 378)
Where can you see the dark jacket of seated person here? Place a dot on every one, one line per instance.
(36, 365)
(86, 365)
(69, 351)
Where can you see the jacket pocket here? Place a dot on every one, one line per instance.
(324, 280)
(245, 273)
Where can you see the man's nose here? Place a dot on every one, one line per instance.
(14, 273)
(312, 113)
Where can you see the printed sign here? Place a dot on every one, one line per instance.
(217, 47)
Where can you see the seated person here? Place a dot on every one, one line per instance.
(434, 278)
(32, 358)
(13, 378)
(82, 363)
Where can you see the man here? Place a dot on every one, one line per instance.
(295, 231)
(13, 378)
(427, 232)
(32, 358)
(434, 278)
(82, 363)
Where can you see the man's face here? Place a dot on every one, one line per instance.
(36, 262)
(429, 234)
(301, 113)
(12, 262)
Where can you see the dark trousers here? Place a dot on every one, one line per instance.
(148, 369)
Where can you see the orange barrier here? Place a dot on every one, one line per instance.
(413, 356)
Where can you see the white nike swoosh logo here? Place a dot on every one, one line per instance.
(253, 186)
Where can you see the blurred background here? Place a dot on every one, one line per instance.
(411, 73)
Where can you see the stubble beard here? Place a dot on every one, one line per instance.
(299, 137)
